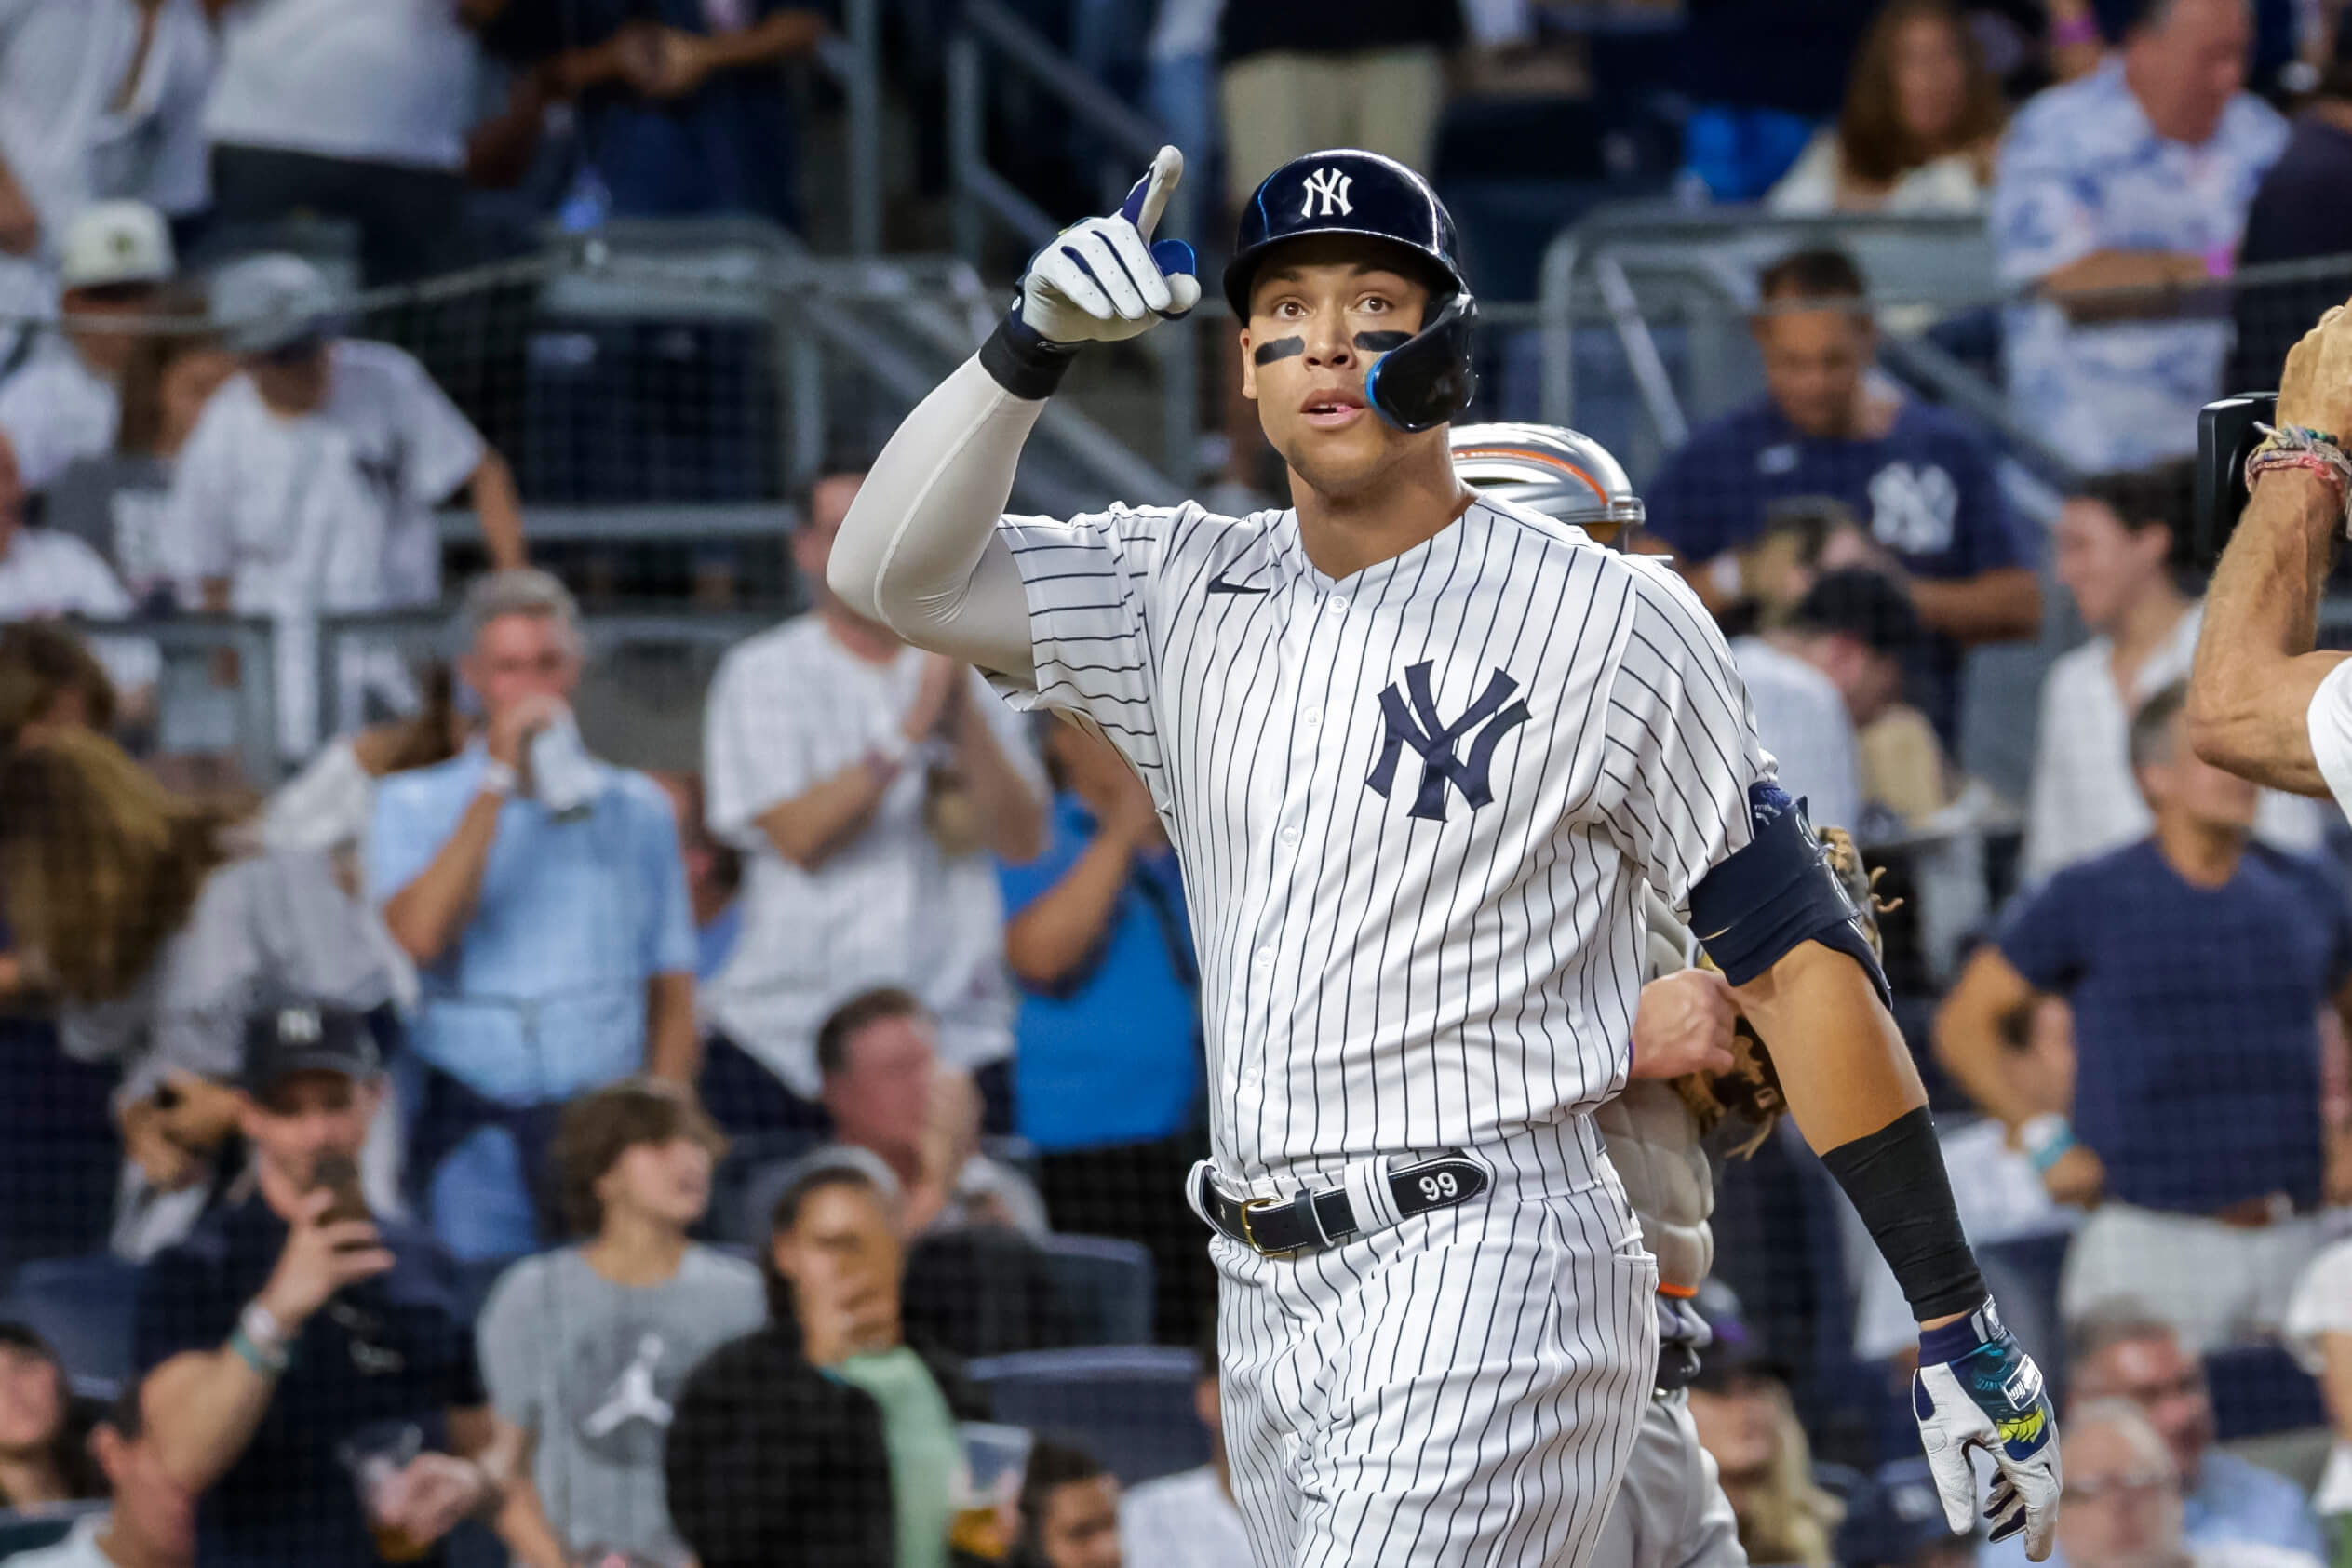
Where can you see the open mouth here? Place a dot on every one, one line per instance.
(1332, 408)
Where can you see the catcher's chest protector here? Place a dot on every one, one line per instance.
(1654, 1142)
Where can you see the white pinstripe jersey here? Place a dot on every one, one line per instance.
(1414, 806)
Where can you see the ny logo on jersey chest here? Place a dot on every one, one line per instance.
(1415, 723)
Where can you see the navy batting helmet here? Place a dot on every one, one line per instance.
(1428, 380)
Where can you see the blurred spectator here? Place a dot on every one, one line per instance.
(1188, 1519)
(1746, 1422)
(2136, 177)
(49, 680)
(98, 98)
(43, 1458)
(1802, 719)
(821, 1439)
(1297, 76)
(586, 1349)
(713, 875)
(150, 1522)
(303, 1352)
(45, 575)
(886, 1092)
(66, 400)
(114, 499)
(329, 807)
(2320, 1332)
(1898, 1522)
(1995, 1183)
(2197, 973)
(310, 481)
(349, 110)
(1069, 1510)
(2113, 550)
(2124, 1505)
(1827, 426)
(130, 907)
(2296, 215)
(1854, 628)
(867, 782)
(1108, 1074)
(541, 895)
(682, 106)
(1917, 134)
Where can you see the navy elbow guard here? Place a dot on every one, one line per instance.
(1757, 905)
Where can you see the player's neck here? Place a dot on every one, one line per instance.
(2203, 856)
(636, 1250)
(1415, 503)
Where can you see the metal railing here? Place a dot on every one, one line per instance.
(853, 61)
(992, 44)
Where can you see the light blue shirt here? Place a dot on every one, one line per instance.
(2234, 1500)
(2082, 170)
(542, 995)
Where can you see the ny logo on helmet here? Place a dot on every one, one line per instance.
(1328, 187)
(1417, 724)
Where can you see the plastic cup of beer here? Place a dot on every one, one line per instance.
(988, 1488)
(373, 1455)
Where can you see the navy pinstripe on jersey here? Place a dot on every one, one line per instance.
(1414, 806)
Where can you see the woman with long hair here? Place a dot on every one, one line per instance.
(1917, 135)
(1748, 1425)
(133, 909)
(44, 1433)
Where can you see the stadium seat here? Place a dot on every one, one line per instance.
(28, 1530)
(82, 1307)
(1129, 1407)
(1106, 1286)
(2259, 1389)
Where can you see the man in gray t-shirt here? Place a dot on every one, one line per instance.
(585, 1348)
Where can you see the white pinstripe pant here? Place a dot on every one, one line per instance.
(1464, 1389)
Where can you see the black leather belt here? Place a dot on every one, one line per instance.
(1316, 1219)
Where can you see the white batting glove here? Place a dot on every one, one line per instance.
(1977, 1388)
(1103, 280)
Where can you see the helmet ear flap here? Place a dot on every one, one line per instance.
(1428, 380)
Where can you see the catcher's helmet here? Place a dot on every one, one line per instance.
(1428, 380)
(1559, 471)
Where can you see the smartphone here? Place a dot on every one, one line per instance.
(339, 1173)
(2227, 432)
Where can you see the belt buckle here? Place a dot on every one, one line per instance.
(1251, 1236)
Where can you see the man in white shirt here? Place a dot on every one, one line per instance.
(98, 98)
(1801, 718)
(867, 784)
(353, 109)
(44, 575)
(65, 403)
(2113, 553)
(152, 1522)
(1188, 1519)
(309, 484)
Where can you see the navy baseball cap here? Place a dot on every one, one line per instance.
(293, 1035)
(1738, 1349)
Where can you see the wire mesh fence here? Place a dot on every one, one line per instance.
(758, 1194)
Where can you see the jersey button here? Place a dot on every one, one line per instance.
(1338, 604)
(1312, 718)
(1290, 834)
(1266, 958)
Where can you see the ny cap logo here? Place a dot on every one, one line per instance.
(1328, 189)
(297, 1026)
(1418, 727)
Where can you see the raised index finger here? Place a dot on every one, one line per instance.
(1148, 198)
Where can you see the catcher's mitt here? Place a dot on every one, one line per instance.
(1750, 1088)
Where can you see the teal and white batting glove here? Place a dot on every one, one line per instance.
(1104, 279)
(1977, 1388)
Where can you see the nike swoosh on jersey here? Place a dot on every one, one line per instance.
(1218, 584)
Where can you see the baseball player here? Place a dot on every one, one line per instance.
(1423, 756)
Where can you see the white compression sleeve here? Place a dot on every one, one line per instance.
(920, 550)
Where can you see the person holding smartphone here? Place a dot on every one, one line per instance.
(292, 1331)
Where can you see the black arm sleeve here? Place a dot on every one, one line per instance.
(1896, 1181)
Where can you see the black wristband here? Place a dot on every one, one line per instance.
(1023, 363)
(1896, 1181)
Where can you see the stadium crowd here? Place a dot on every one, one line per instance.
(469, 1149)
